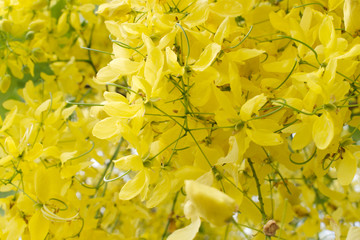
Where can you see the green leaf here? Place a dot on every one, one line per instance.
(356, 135)
(57, 8)
(6, 194)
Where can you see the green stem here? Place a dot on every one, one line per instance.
(122, 87)
(169, 145)
(286, 126)
(101, 180)
(288, 76)
(291, 107)
(113, 179)
(83, 154)
(246, 36)
(18, 189)
(95, 50)
(170, 217)
(276, 170)
(305, 44)
(226, 232)
(89, 52)
(124, 45)
(84, 104)
(187, 42)
(264, 217)
(308, 4)
(198, 145)
(266, 115)
(239, 225)
(306, 161)
(244, 194)
(174, 148)
(161, 115)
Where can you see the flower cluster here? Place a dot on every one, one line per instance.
(207, 119)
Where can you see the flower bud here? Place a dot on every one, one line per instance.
(5, 25)
(30, 35)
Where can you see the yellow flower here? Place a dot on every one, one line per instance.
(209, 203)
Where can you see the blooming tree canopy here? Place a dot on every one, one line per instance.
(179, 119)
